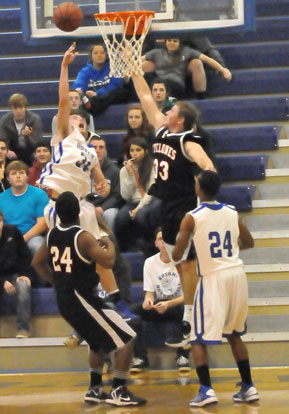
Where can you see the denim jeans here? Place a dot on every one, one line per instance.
(23, 303)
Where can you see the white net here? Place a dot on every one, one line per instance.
(124, 49)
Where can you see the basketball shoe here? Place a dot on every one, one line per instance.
(247, 393)
(95, 395)
(205, 397)
(122, 396)
(182, 338)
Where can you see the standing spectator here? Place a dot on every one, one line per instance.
(174, 61)
(163, 302)
(99, 88)
(107, 207)
(23, 205)
(75, 104)
(161, 96)
(21, 128)
(4, 183)
(42, 155)
(136, 176)
(137, 125)
(15, 259)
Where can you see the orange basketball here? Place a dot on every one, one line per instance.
(67, 16)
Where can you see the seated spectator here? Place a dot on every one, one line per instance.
(174, 61)
(99, 88)
(160, 95)
(163, 301)
(137, 125)
(201, 43)
(4, 183)
(75, 103)
(23, 205)
(15, 259)
(107, 207)
(136, 176)
(42, 155)
(21, 128)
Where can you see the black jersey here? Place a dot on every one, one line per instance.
(173, 168)
(71, 271)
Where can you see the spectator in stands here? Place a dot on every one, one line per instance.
(163, 301)
(21, 128)
(174, 61)
(15, 259)
(161, 96)
(4, 183)
(42, 155)
(137, 125)
(136, 176)
(107, 207)
(74, 103)
(201, 43)
(23, 205)
(100, 90)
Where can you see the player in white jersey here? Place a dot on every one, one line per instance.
(73, 164)
(220, 302)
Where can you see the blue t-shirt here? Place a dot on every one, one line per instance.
(23, 210)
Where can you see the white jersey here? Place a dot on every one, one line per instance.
(161, 278)
(70, 167)
(215, 237)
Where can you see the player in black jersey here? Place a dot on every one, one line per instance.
(178, 156)
(73, 254)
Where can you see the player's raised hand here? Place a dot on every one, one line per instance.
(69, 55)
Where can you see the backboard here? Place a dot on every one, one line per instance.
(171, 16)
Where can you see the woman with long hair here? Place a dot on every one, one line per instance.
(137, 125)
(136, 176)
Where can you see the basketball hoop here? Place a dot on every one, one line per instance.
(124, 50)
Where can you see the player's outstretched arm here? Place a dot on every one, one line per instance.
(183, 238)
(62, 127)
(199, 156)
(40, 263)
(245, 240)
(89, 247)
(155, 116)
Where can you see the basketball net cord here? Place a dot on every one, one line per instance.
(124, 50)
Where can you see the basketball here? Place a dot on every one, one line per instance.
(67, 16)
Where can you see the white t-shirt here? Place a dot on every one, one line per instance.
(70, 167)
(215, 237)
(161, 278)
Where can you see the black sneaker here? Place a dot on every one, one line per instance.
(95, 396)
(122, 396)
(138, 365)
(183, 364)
(182, 338)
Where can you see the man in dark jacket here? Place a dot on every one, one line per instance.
(109, 206)
(15, 259)
(21, 128)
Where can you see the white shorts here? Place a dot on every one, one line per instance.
(87, 217)
(220, 306)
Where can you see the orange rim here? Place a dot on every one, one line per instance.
(125, 16)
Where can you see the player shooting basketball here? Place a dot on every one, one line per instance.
(73, 163)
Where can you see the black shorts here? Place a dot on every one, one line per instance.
(102, 327)
(173, 211)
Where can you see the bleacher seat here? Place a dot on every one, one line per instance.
(136, 260)
(242, 167)
(249, 82)
(10, 19)
(269, 7)
(267, 29)
(240, 196)
(240, 139)
(255, 55)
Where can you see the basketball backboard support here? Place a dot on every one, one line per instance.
(171, 16)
